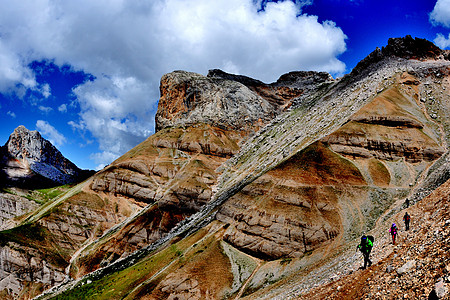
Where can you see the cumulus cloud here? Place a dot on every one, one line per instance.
(441, 41)
(45, 90)
(11, 114)
(131, 44)
(45, 109)
(441, 13)
(62, 108)
(50, 133)
(14, 74)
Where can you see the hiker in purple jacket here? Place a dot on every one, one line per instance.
(393, 232)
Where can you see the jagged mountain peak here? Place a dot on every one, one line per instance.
(405, 48)
(30, 160)
(27, 144)
(410, 48)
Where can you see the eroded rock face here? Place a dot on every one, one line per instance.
(170, 176)
(22, 265)
(390, 127)
(294, 208)
(35, 255)
(185, 157)
(189, 98)
(223, 100)
(12, 206)
(303, 203)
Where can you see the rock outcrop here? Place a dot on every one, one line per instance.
(30, 161)
(279, 94)
(390, 127)
(227, 101)
(12, 206)
(407, 48)
(189, 98)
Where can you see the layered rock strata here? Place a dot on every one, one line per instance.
(12, 206)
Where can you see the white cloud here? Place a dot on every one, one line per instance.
(50, 133)
(11, 114)
(441, 41)
(45, 90)
(102, 157)
(14, 74)
(45, 109)
(77, 126)
(62, 108)
(129, 45)
(441, 13)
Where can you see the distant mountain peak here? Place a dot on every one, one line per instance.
(28, 158)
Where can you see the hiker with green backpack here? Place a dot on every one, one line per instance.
(365, 247)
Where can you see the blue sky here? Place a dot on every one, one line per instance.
(86, 73)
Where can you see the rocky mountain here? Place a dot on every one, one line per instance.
(250, 190)
(28, 160)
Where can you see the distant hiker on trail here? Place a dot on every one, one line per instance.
(393, 232)
(365, 247)
(407, 202)
(407, 219)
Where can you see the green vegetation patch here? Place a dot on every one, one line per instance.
(51, 193)
(120, 283)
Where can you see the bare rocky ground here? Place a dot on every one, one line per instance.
(417, 267)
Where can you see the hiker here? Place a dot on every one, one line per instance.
(407, 202)
(393, 231)
(365, 247)
(407, 219)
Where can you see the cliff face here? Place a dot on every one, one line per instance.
(30, 161)
(12, 206)
(189, 98)
(227, 101)
(246, 184)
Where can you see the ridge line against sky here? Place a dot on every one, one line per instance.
(86, 73)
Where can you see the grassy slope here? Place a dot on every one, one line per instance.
(199, 257)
